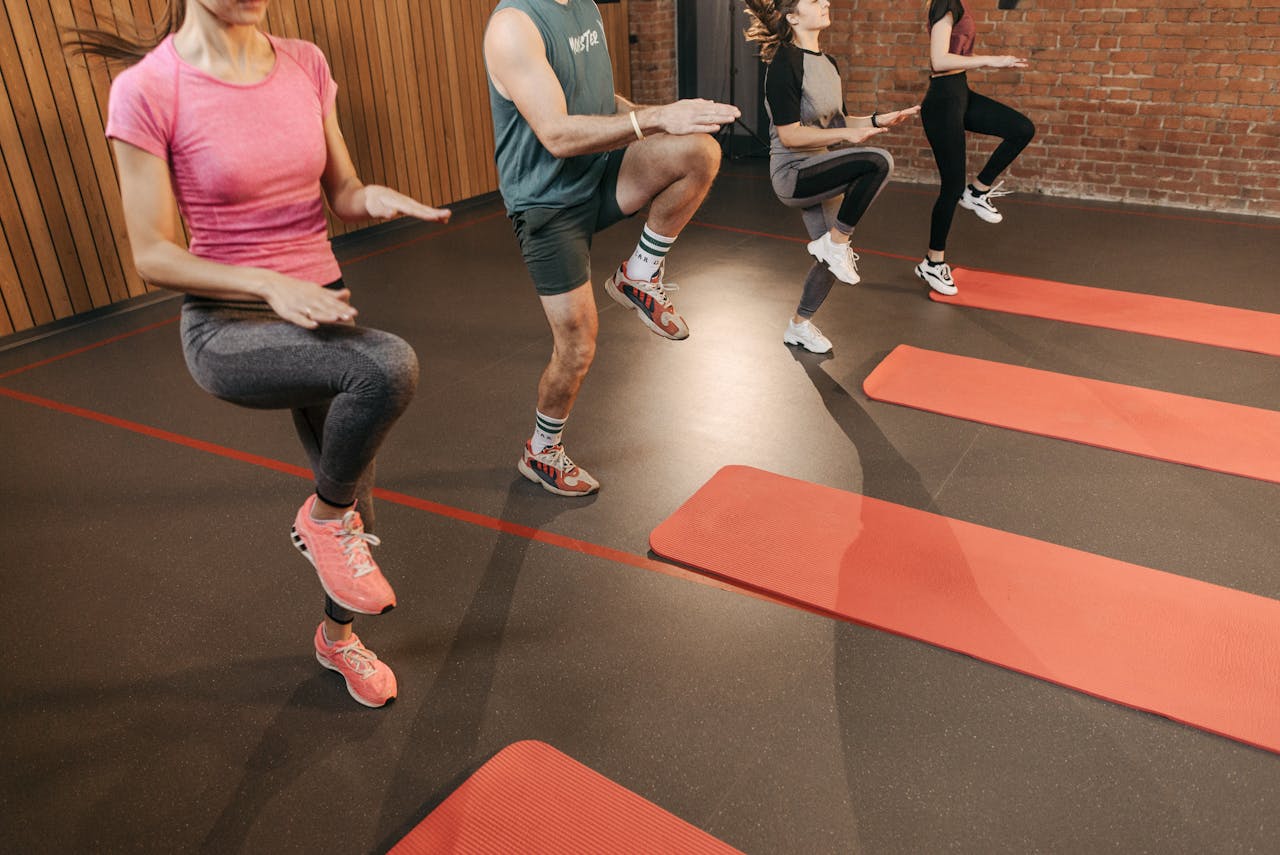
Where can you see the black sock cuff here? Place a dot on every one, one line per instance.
(337, 613)
(328, 501)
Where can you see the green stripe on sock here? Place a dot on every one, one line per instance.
(657, 250)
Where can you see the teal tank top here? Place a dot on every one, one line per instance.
(529, 176)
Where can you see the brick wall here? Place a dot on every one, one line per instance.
(1170, 102)
(653, 51)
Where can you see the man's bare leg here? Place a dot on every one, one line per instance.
(574, 325)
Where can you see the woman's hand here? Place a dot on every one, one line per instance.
(382, 203)
(861, 135)
(1006, 62)
(305, 303)
(896, 117)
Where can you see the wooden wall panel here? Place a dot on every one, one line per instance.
(413, 102)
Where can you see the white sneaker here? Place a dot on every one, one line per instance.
(807, 336)
(937, 276)
(981, 204)
(839, 257)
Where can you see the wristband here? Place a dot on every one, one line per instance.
(635, 123)
(874, 123)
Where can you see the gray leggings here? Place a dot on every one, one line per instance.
(833, 190)
(346, 385)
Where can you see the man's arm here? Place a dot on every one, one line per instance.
(517, 65)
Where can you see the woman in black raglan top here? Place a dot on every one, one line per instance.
(816, 160)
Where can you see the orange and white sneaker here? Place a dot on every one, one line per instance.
(557, 474)
(339, 550)
(369, 680)
(649, 299)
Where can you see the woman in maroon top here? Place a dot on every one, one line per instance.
(949, 109)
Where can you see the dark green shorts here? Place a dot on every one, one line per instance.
(556, 242)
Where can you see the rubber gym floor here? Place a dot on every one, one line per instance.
(159, 688)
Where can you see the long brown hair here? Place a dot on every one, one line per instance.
(112, 45)
(768, 25)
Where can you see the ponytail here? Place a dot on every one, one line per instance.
(768, 25)
(104, 43)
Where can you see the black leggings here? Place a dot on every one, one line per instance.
(949, 109)
(834, 189)
(857, 173)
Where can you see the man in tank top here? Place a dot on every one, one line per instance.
(573, 158)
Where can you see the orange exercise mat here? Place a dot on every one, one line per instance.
(1204, 323)
(1193, 652)
(531, 799)
(1199, 432)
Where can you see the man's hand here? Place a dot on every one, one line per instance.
(694, 116)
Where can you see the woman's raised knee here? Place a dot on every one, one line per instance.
(388, 370)
(1024, 131)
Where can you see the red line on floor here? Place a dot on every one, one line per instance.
(89, 347)
(156, 433)
(428, 236)
(496, 524)
(793, 238)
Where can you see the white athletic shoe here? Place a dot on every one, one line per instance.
(807, 336)
(839, 257)
(981, 204)
(937, 277)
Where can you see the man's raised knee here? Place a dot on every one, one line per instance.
(708, 154)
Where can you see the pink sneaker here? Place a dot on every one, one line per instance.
(339, 550)
(369, 680)
(557, 474)
(650, 301)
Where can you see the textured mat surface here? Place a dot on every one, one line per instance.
(1191, 651)
(1209, 434)
(530, 798)
(1204, 323)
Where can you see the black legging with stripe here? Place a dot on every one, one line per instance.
(834, 189)
(950, 109)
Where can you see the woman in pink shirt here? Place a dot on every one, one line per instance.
(236, 131)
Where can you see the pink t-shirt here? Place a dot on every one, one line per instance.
(245, 160)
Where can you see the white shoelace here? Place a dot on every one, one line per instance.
(662, 277)
(558, 458)
(355, 545)
(657, 290)
(995, 192)
(810, 331)
(359, 658)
